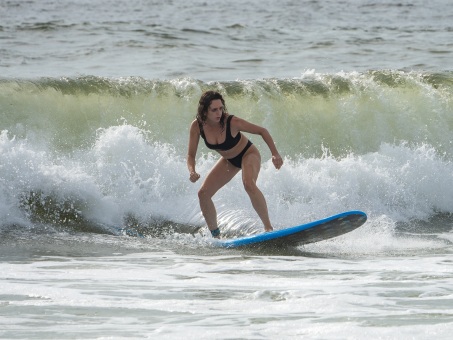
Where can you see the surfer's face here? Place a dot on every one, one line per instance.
(215, 111)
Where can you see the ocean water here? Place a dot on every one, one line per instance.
(101, 236)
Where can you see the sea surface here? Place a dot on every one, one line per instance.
(101, 235)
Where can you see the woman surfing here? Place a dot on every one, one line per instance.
(222, 132)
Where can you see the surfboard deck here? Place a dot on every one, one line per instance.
(315, 231)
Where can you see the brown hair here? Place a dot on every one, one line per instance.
(203, 106)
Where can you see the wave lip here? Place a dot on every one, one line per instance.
(345, 112)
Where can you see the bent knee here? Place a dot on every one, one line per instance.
(250, 186)
(204, 194)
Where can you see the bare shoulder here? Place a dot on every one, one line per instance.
(241, 124)
(237, 122)
(235, 119)
(194, 128)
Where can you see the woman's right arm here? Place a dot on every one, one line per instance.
(194, 138)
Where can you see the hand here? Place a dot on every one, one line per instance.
(194, 177)
(278, 161)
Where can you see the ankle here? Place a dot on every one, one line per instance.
(215, 233)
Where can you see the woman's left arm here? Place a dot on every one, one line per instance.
(240, 124)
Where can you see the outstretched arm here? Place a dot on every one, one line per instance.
(240, 124)
(194, 138)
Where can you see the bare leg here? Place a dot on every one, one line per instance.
(220, 175)
(251, 164)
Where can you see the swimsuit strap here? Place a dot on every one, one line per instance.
(229, 142)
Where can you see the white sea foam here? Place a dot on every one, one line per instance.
(125, 175)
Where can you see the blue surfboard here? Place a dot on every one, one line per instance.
(303, 234)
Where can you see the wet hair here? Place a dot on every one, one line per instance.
(203, 106)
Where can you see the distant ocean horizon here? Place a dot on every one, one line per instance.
(101, 235)
(221, 41)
